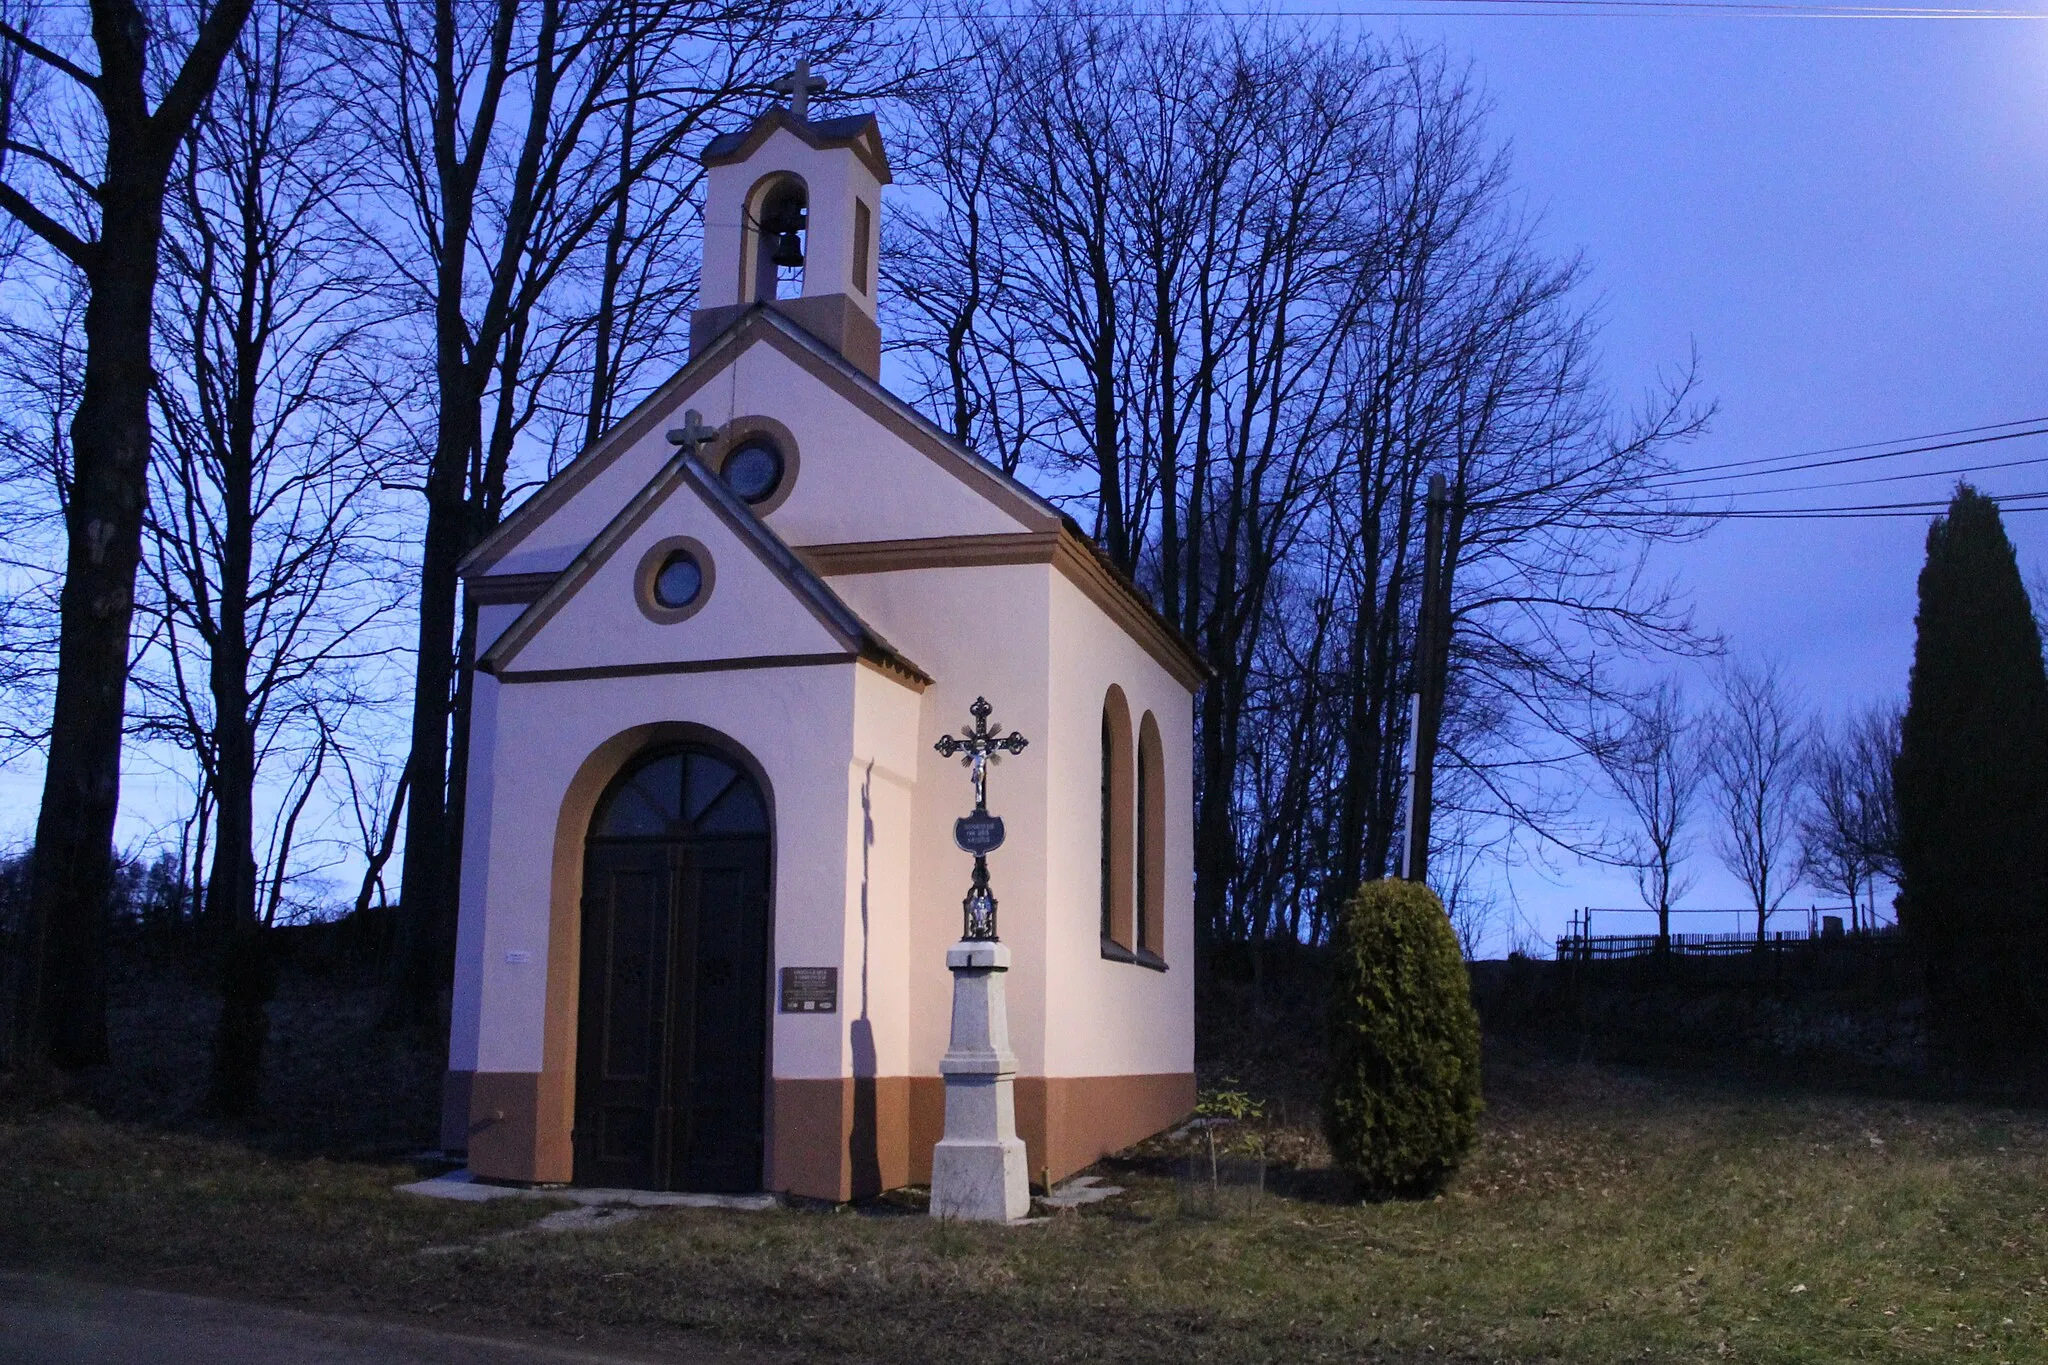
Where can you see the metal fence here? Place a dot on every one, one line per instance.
(1822, 924)
(1595, 947)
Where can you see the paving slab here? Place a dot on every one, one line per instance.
(463, 1186)
(1082, 1189)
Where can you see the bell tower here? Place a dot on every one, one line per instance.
(792, 219)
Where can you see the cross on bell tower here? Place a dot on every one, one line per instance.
(799, 85)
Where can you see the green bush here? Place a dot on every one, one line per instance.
(1403, 1105)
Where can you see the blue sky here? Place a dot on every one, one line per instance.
(1849, 219)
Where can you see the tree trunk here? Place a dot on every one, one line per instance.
(246, 981)
(71, 883)
(1215, 856)
(417, 977)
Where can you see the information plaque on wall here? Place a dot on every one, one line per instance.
(810, 990)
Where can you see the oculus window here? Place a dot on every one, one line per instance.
(674, 580)
(754, 470)
(679, 582)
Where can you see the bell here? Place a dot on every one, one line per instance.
(789, 250)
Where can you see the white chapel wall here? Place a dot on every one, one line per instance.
(857, 479)
(977, 631)
(549, 545)
(875, 994)
(1114, 1018)
(796, 723)
(748, 610)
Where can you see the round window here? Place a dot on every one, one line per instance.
(679, 581)
(754, 471)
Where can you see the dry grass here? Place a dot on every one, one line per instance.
(1606, 1216)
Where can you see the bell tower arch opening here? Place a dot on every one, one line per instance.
(777, 229)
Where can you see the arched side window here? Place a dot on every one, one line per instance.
(1118, 808)
(777, 232)
(1151, 845)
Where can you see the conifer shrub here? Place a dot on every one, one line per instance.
(1403, 1103)
(1971, 782)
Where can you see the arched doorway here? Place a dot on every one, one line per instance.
(673, 1014)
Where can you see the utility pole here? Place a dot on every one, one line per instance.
(1429, 673)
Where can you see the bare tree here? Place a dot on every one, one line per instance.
(1655, 766)
(1848, 839)
(264, 576)
(40, 360)
(376, 796)
(1756, 755)
(99, 102)
(510, 134)
(1234, 293)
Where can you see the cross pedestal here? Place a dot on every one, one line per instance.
(978, 1167)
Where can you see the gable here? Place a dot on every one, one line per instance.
(860, 475)
(868, 467)
(757, 604)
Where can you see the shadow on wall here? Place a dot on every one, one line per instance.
(863, 1146)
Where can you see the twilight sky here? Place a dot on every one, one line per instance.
(1850, 220)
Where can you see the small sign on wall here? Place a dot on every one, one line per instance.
(810, 990)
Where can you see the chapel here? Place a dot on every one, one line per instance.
(708, 871)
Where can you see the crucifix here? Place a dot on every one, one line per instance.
(980, 833)
(978, 1165)
(800, 85)
(693, 435)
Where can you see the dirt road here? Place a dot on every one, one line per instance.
(48, 1321)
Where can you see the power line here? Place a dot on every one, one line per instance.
(1706, 8)
(1464, 9)
(1887, 478)
(1866, 445)
(2033, 502)
(1540, 9)
(1684, 477)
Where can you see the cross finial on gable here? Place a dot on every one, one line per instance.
(693, 433)
(800, 85)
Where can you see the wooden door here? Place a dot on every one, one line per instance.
(624, 1103)
(673, 1015)
(722, 1025)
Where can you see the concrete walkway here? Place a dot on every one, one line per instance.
(49, 1321)
(462, 1186)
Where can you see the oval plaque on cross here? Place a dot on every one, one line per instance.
(978, 834)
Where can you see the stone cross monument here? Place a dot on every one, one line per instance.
(978, 1167)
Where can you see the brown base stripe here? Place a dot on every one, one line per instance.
(837, 1139)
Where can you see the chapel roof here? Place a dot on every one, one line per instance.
(862, 133)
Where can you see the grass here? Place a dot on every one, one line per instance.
(1607, 1215)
